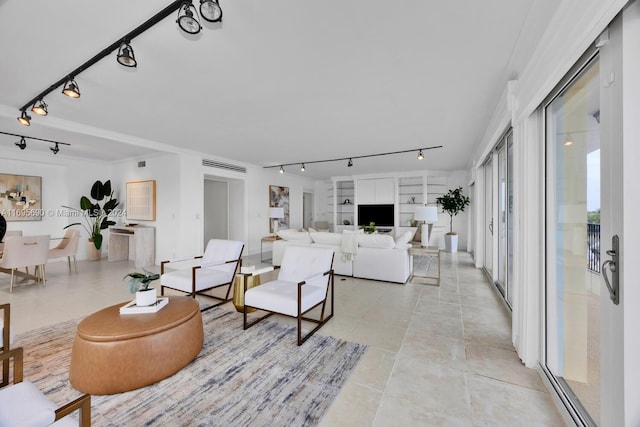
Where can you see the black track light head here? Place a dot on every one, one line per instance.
(210, 10)
(281, 169)
(40, 108)
(126, 56)
(350, 163)
(71, 88)
(188, 18)
(420, 155)
(302, 168)
(22, 143)
(55, 149)
(24, 119)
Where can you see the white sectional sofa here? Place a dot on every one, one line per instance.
(368, 256)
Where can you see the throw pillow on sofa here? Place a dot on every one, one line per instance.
(403, 239)
(326, 238)
(294, 235)
(379, 241)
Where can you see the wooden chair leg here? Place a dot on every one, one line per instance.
(12, 277)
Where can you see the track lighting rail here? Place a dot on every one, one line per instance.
(171, 8)
(350, 158)
(57, 143)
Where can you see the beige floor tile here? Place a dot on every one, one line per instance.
(503, 365)
(435, 349)
(374, 369)
(496, 403)
(430, 385)
(399, 413)
(436, 323)
(355, 406)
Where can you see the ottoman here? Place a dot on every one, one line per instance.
(113, 353)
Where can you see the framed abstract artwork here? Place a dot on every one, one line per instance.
(21, 197)
(279, 198)
(141, 200)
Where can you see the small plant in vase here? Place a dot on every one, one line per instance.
(139, 285)
(369, 229)
(453, 203)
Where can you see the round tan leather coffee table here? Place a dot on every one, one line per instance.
(114, 352)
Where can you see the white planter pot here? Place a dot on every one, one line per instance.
(451, 242)
(147, 297)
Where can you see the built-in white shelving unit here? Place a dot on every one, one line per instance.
(410, 195)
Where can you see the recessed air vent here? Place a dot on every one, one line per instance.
(142, 164)
(221, 165)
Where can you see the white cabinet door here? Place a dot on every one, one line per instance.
(375, 191)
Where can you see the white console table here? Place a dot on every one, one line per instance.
(136, 243)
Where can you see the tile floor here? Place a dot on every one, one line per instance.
(438, 356)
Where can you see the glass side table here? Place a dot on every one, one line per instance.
(428, 251)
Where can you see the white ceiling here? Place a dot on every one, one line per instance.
(278, 81)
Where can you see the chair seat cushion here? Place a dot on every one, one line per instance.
(281, 296)
(206, 278)
(24, 405)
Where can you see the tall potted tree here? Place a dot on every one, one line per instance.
(96, 216)
(452, 203)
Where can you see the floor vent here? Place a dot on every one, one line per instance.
(220, 165)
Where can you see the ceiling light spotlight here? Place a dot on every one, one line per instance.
(302, 168)
(22, 144)
(420, 155)
(350, 163)
(71, 88)
(40, 108)
(188, 18)
(55, 149)
(568, 140)
(281, 169)
(210, 10)
(24, 118)
(126, 56)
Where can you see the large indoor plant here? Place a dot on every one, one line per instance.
(452, 203)
(95, 215)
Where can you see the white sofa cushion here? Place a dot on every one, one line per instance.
(380, 241)
(326, 238)
(281, 296)
(294, 235)
(403, 239)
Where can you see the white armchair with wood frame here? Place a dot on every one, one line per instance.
(305, 278)
(217, 267)
(22, 252)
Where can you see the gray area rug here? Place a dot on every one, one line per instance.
(257, 377)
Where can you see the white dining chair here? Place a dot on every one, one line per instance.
(68, 247)
(22, 252)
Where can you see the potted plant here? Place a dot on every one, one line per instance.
(96, 216)
(369, 229)
(452, 203)
(139, 285)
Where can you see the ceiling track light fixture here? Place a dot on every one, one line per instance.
(210, 10)
(302, 168)
(350, 159)
(126, 56)
(188, 18)
(40, 108)
(24, 119)
(71, 89)
(22, 144)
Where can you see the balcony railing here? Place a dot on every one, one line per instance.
(593, 247)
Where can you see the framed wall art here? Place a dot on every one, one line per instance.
(279, 198)
(21, 197)
(141, 200)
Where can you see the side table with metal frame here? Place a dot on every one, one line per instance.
(267, 239)
(426, 251)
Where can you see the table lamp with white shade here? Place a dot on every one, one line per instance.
(276, 214)
(428, 214)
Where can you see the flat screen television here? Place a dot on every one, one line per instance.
(382, 215)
